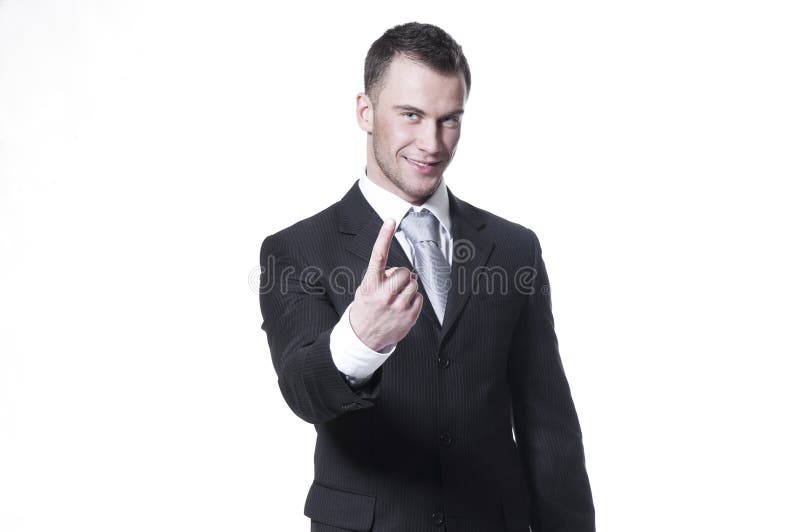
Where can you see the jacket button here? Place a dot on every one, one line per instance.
(443, 362)
(437, 518)
(446, 439)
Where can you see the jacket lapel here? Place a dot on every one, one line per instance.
(471, 249)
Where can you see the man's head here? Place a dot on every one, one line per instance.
(416, 83)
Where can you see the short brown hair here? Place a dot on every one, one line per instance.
(424, 43)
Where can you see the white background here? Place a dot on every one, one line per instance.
(147, 148)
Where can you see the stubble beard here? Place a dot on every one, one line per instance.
(392, 173)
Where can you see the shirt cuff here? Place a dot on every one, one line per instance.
(351, 356)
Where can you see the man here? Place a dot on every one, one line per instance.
(415, 330)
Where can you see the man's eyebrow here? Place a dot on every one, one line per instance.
(420, 112)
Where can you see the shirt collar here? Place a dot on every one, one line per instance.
(389, 205)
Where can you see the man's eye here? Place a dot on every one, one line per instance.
(410, 115)
(452, 121)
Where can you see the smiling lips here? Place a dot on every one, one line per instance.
(422, 166)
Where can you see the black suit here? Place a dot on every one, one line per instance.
(427, 443)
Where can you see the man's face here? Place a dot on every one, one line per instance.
(415, 126)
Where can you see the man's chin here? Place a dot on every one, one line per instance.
(423, 180)
(422, 187)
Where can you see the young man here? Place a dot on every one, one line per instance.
(415, 330)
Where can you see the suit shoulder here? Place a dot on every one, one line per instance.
(503, 226)
(309, 229)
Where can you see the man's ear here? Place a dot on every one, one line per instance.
(364, 112)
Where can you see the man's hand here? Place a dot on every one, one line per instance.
(387, 303)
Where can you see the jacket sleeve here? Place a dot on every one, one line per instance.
(298, 320)
(546, 426)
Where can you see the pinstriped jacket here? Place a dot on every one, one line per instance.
(469, 426)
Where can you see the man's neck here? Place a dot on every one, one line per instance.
(383, 182)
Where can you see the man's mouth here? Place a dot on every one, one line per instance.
(422, 164)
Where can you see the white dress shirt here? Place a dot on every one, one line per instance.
(351, 356)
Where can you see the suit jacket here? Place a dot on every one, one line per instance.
(468, 426)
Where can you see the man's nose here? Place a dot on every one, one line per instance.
(429, 137)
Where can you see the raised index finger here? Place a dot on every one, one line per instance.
(380, 250)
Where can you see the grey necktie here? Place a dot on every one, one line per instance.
(422, 230)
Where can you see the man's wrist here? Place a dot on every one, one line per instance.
(351, 356)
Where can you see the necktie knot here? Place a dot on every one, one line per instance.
(420, 226)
